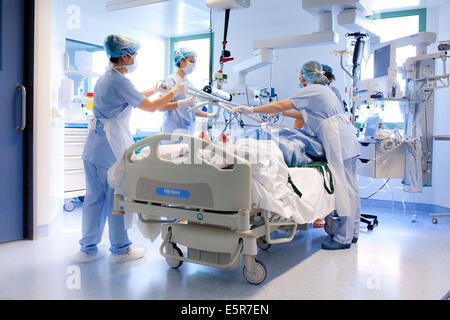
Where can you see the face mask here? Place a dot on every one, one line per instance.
(132, 67)
(190, 68)
(302, 85)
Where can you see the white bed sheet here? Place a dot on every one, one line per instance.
(270, 188)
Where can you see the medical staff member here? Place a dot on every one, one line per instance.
(177, 119)
(300, 125)
(331, 78)
(324, 115)
(109, 136)
(328, 72)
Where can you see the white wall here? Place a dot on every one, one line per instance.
(440, 23)
(285, 81)
(48, 157)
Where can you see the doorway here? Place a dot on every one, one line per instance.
(16, 128)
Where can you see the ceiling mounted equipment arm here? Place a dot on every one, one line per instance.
(226, 55)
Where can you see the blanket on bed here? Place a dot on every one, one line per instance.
(271, 190)
(299, 147)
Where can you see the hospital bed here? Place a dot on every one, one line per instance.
(206, 209)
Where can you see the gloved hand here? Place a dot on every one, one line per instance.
(189, 102)
(179, 89)
(162, 86)
(242, 110)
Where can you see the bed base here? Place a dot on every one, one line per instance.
(215, 239)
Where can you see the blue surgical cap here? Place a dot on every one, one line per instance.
(183, 53)
(117, 45)
(327, 68)
(313, 73)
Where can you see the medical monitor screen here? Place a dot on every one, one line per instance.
(372, 127)
(382, 61)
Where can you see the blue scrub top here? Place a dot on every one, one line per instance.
(113, 93)
(319, 102)
(179, 119)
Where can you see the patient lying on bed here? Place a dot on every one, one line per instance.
(271, 190)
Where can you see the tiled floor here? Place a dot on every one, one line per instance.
(398, 260)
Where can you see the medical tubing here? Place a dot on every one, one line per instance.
(385, 183)
(211, 48)
(398, 145)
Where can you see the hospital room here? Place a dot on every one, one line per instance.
(225, 150)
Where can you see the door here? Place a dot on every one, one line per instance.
(12, 120)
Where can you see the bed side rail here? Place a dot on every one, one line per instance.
(193, 182)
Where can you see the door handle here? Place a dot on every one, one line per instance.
(24, 107)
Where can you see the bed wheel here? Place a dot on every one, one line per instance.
(69, 205)
(370, 227)
(262, 244)
(434, 220)
(172, 249)
(258, 276)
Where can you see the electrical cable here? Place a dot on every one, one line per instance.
(377, 190)
(228, 123)
(426, 128)
(246, 94)
(211, 49)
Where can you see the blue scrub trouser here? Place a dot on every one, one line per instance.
(349, 225)
(97, 207)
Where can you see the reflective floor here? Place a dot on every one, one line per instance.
(398, 260)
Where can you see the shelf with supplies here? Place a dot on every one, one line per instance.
(75, 135)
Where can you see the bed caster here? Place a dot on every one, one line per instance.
(434, 220)
(262, 244)
(258, 276)
(69, 205)
(173, 249)
(370, 227)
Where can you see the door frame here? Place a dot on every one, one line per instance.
(28, 79)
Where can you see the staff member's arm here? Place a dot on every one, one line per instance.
(274, 107)
(149, 92)
(155, 105)
(293, 114)
(188, 102)
(203, 114)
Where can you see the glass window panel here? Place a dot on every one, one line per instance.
(200, 77)
(151, 68)
(394, 28)
(392, 4)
